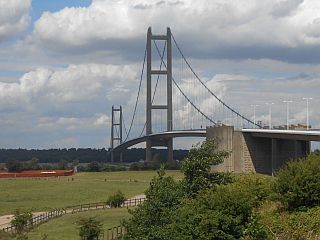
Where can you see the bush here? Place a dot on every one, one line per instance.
(298, 184)
(20, 221)
(90, 228)
(223, 212)
(116, 200)
(162, 198)
(14, 166)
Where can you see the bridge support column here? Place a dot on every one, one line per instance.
(274, 154)
(116, 126)
(170, 150)
(148, 150)
(150, 105)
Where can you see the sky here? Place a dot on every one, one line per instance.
(63, 64)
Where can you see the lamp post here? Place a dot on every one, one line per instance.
(287, 102)
(270, 114)
(307, 99)
(254, 114)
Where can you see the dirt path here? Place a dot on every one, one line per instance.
(6, 219)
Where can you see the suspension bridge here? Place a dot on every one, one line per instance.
(177, 102)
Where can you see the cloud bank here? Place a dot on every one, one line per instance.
(14, 17)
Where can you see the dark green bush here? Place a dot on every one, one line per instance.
(89, 228)
(223, 212)
(148, 220)
(116, 199)
(298, 183)
(205, 205)
(20, 220)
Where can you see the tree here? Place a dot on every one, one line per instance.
(90, 228)
(298, 183)
(21, 220)
(63, 164)
(196, 167)
(94, 167)
(116, 199)
(162, 198)
(14, 166)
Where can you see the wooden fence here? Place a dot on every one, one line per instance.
(102, 205)
(115, 233)
(36, 220)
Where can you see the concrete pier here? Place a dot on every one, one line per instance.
(255, 154)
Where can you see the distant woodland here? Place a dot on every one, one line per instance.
(83, 155)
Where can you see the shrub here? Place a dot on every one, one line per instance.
(223, 212)
(148, 220)
(298, 183)
(116, 199)
(21, 219)
(90, 228)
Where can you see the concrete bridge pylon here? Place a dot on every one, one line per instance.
(150, 106)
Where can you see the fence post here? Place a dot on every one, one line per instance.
(112, 233)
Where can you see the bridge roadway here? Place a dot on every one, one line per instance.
(162, 137)
(301, 135)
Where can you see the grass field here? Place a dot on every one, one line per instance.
(66, 228)
(50, 193)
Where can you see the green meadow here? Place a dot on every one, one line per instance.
(66, 227)
(50, 193)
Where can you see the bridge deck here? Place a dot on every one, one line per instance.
(161, 137)
(302, 135)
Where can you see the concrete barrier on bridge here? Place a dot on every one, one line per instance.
(255, 154)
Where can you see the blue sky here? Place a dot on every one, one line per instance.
(63, 64)
(40, 6)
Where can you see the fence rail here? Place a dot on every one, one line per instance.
(36, 220)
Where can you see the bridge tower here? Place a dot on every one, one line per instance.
(116, 130)
(168, 142)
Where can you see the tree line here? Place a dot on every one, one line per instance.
(83, 155)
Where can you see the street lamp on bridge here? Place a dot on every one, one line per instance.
(287, 102)
(254, 114)
(270, 114)
(307, 99)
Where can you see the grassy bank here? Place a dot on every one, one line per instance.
(66, 228)
(50, 193)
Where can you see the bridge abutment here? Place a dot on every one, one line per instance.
(255, 154)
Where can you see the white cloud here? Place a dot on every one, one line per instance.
(213, 23)
(68, 142)
(102, 120)
(14, 17)
(76, 83)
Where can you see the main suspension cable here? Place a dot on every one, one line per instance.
(185, 96)
(203, 84)
(138, 95)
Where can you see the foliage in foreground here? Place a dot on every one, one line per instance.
(196, 168)
(89, 228)
(298, 184)
(203, 206)
(295, 225)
